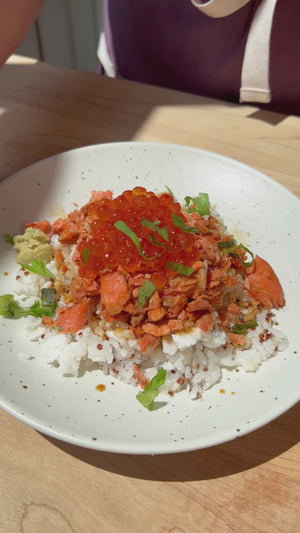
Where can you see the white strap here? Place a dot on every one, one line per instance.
(104, 58)
(219, 8)
(255, 70)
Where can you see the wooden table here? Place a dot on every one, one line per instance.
(247, 485)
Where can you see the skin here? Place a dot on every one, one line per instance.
(15, 20)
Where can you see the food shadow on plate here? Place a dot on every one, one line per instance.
(243, 453)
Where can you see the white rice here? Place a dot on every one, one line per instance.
(192, 359)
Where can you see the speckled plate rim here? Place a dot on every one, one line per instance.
(131, 154)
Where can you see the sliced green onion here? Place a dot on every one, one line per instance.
(150, 392)
(154, 241)
(226, 244)
(38, 267)
(201, 204)
(121, 226)
(242, 329)
(169, 191)
(180, 269)
(179, 222)
(9, 308)
(145, 292)
(247, 263)
(85, 255)
(230, 248)
(9, 239)
(48, 296)
(154, 226)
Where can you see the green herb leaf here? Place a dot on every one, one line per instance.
(242, 329)
(201, 204)
(121, 226)
(154, 226)
(5, 302)
(247, 263)
(230, 248)
(9, 239)
(48, 296)
(85, 255)
(38, 267)
(154, 241)
(9, 308)
(179, 222)
(223, 245)
(150, 392)
(169, 191)
(145, 292)
(180, 269)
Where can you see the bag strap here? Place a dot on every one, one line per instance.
(255, 85)
(219, 8)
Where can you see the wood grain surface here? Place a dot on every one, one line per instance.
(251, 484)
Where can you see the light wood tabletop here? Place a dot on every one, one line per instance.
(246, 485)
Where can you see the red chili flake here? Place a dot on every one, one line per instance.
(18, 277)
(171, 393)
(26, 273)
(99, 347)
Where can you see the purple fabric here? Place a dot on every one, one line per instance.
(172, 44)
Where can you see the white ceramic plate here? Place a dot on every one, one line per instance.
(71, 409)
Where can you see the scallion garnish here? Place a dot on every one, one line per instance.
(9, 308)
(242, 329)
(180, 269)
(200, 204)
(154, 226)
(150, 392)
(230, 248)
(38, 267)
(154, 241)
(247, 263)
(48, 296)
(179, 222)
(223, 245)
(169, 191)
(121, 226)
(85, 255)
(145, 291)
(9, 239)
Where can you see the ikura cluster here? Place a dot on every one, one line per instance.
(139, 231)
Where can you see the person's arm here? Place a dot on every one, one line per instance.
(16, 17)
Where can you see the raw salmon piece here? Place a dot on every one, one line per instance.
(141, 379)
(174, 304)
(156, 314)
(82, 287)
(47, 321)
(237, 339)
(99, 195)
(58, 225)
(200, 304)
(74, 318)
(148, 341)
(182, 285)
(44, 226)
(157, 330)
(263, 284)
(114, 292)
(206, 322)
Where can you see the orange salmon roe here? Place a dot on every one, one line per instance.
(108, 247)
